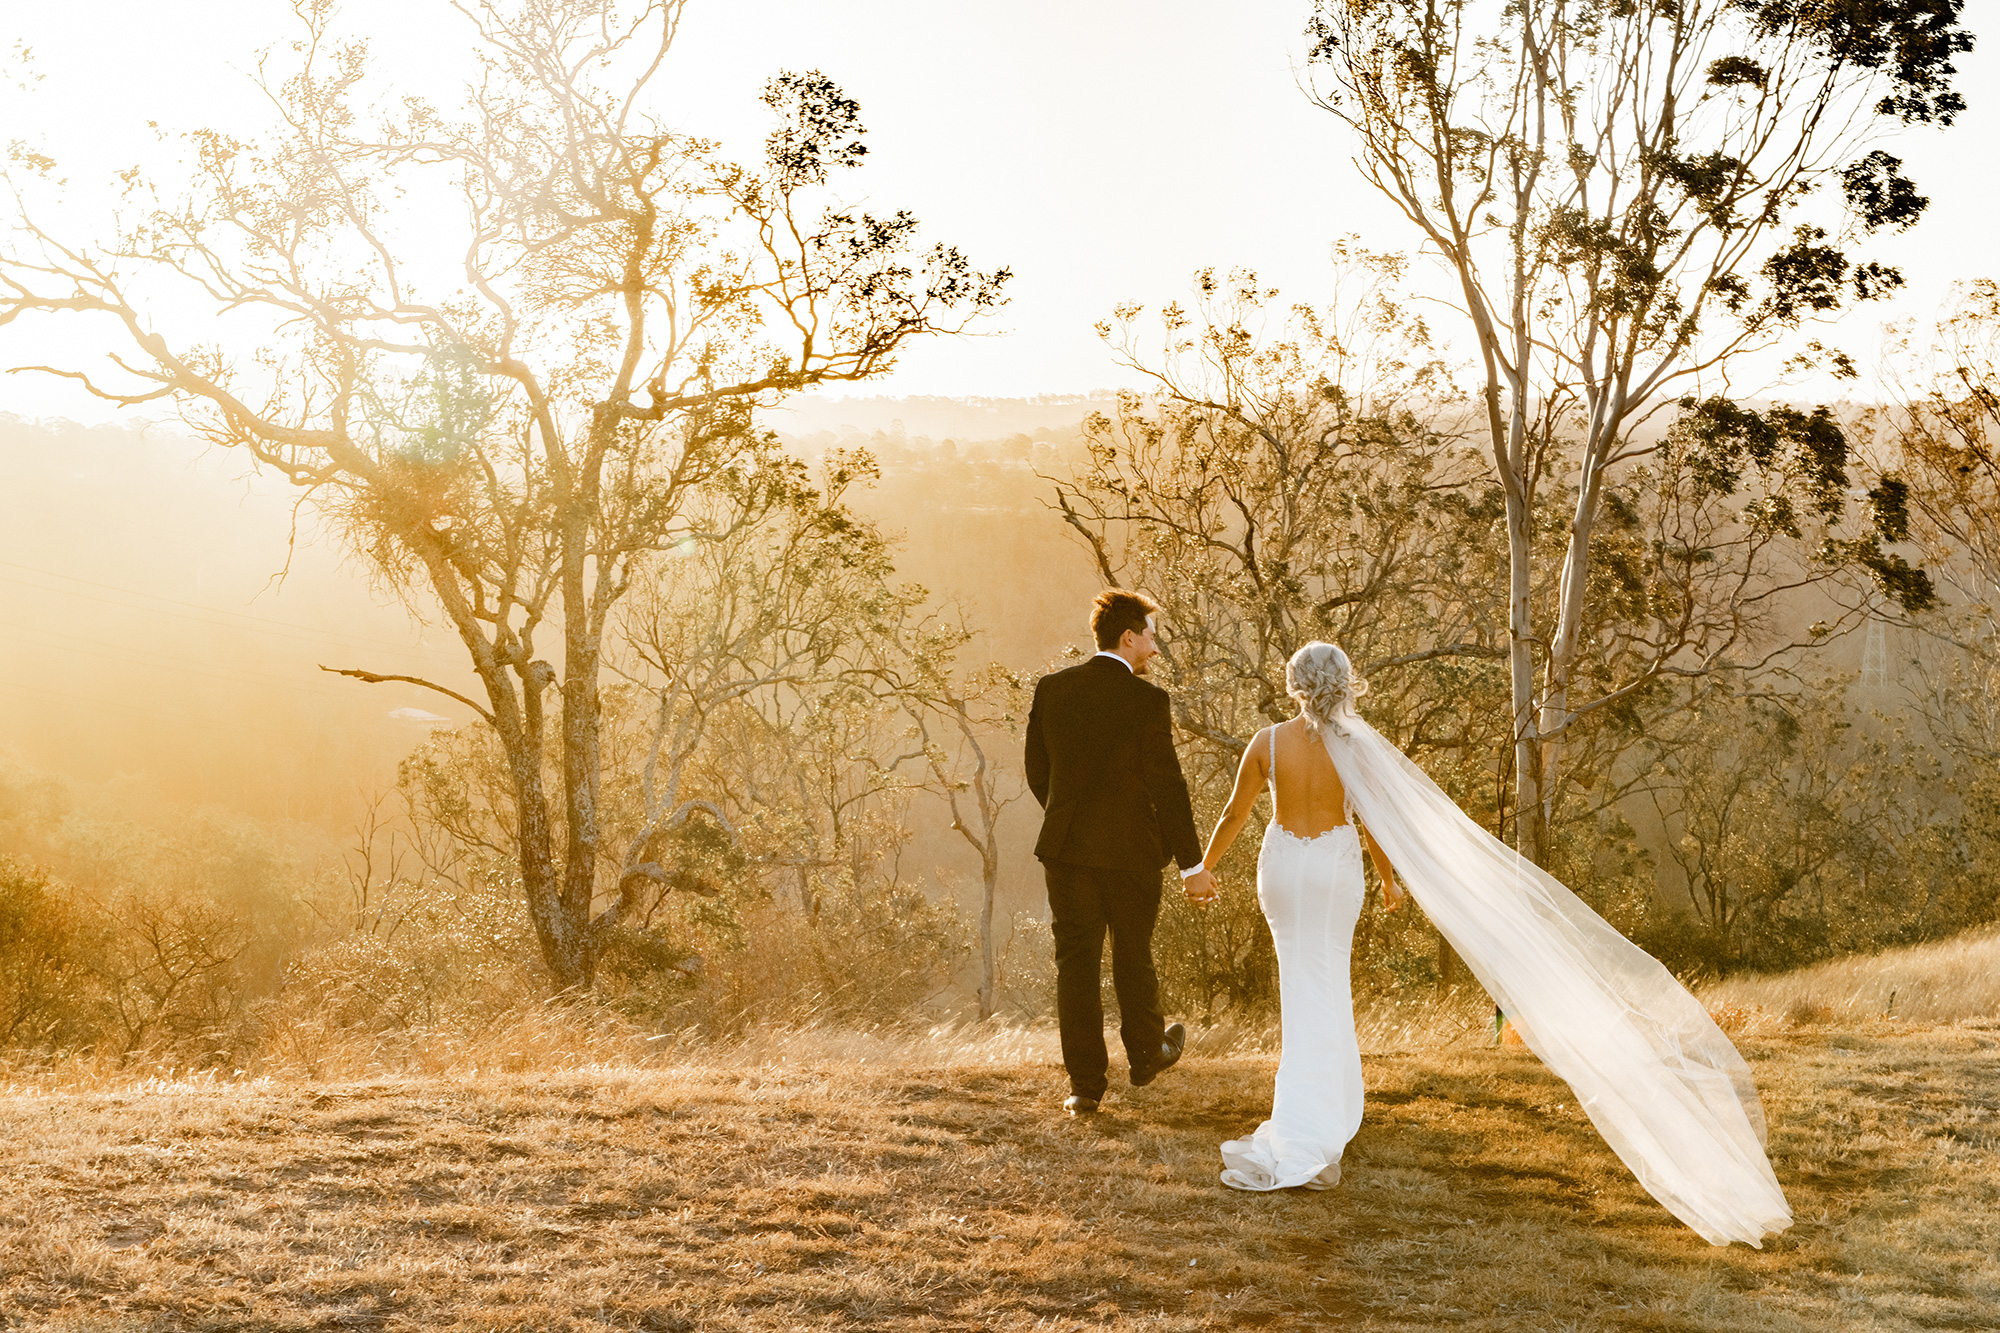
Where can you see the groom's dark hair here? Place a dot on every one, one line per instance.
(1116, 611)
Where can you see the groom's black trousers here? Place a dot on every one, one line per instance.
(1084, 902)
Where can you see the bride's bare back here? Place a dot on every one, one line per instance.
(1309, 797)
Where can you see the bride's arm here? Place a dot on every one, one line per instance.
(1249, 784)
(1392, 893)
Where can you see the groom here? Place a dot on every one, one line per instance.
(1101, 761)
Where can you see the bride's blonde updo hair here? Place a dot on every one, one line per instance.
(1324, 682)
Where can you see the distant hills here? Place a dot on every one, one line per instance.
(806, 416)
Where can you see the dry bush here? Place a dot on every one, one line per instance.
(416, 951)
(1731, 1018)
(217, 953)
(1027, 984)
(1798, 827)
(1217, 960)
(43, 944)
(160, 928)
(870, 952)
(1425, 1022)
(169, 970)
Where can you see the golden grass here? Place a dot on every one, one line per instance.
(560, 1037)
(819, 1179)
(1941, 982)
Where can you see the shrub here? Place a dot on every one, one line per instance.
(45, 996)
(858, 948)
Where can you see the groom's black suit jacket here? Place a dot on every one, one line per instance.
(1101, 761)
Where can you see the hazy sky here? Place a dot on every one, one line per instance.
(1104, 149)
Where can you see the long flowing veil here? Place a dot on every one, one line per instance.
(1648, 1065)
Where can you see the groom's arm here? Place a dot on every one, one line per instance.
(1037, 758)
(1165, 784)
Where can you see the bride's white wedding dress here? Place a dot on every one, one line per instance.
(1662, 1084)
(1311, 891)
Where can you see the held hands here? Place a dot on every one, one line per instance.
(1200, 887)
(1392, 893)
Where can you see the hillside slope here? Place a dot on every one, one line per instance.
(1942, 981)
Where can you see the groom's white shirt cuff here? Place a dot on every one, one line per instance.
(1105, 652)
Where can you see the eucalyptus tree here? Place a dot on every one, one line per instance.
(1939, 451)
(965, 719)
(1942, 461)
(1625, 194)
(1304, 472)
(515, 436)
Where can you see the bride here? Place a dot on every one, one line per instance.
(1649, 1067)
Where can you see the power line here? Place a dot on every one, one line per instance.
(194, 606)
(278, 625)
(147, 713)
(314, 681)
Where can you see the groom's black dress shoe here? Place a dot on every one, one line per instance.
(1080, 1105)
(1170, 1051)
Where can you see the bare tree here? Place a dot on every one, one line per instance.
(962, 721)
(166, 966)
(1618, 191)
(44, 947)
(758, 629)
(512, 440)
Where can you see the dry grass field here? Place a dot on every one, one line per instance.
(1925, 983)
(816, 1183)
